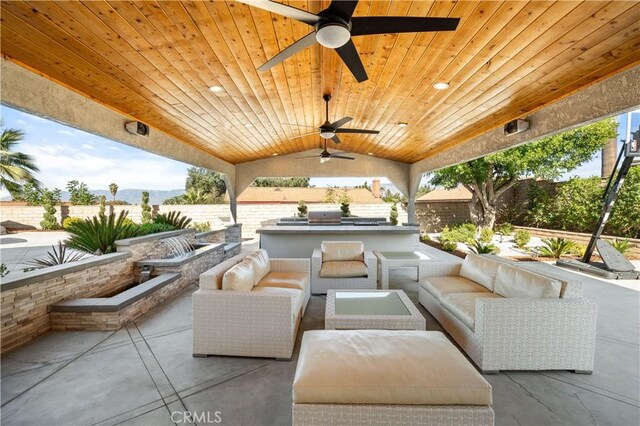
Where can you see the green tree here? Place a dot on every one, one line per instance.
(79, 194)
(146, 208)
(49, 199)
(344, 197)
(280, 182)
(205, 181)
(393, 215)
(489, 177)
(16, 168)
(31, 194)
(113, 189)
(330, 195)
(424, 189)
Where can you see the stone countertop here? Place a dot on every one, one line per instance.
(338, 229)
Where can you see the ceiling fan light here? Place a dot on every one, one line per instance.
(441, 85)
(327, 134)
(324, 159)
(333, 35)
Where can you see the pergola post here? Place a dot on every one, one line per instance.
(414, 184)
(233, 196)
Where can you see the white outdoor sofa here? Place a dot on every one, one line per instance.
(512, 316)
(343, 265)
(250, 306)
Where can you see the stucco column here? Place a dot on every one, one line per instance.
(233, 198)
(414, 184)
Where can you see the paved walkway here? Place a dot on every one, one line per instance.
(144, 374)
(17, 249)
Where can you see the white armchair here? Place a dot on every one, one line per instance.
(340, 265)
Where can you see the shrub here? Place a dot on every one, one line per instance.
(3, 270)
(98, 235)
(201, 226)
(393, 215)
(103, 205)
(505, 228)
(623, 246)
(145, 207)
(462, 233)
(302, 209)
(49, 199)
(522, 238)
(424, 236)
(556, 247)
(79, 194)
(486, 235)
(154, 228)
(71, 220)
(579, 249)
(480, 247)
(449, 246)
(344, 207)
(174, 219)
(128, 221)
(57, 256)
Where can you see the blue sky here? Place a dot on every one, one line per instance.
(64, 153)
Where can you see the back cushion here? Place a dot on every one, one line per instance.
(261, 265)
(515, 282)
(212, 279)
(342, 250)
(239, 277)
(480, 269)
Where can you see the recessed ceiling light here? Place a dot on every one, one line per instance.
(216, 89)
(371, 153)
(274, 154)
(402, 124)
(248, 125)
(441, 85)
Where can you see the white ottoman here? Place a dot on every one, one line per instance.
(383, 377)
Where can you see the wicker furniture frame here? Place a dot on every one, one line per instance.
(320, 285)
(398, 415)
(526, 334)
(252, 324)
(413, 321)
(386, 263)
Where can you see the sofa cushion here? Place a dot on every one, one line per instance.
(239, 277)
(439, 286)
(480, 269)
(463, 305)
(297, 280)
(261, 265)
(297, 297)
(212, 279)
(342, 250)
(343, 269)
(385, 367)
(516, 282)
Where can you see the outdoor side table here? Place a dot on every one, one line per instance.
(399, 259)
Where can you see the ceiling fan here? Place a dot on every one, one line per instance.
(335, 26)
(328, 130)
(326, 155)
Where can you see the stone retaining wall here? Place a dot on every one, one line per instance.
(26, 297)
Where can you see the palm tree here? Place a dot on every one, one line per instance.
(113, 189)
(16, 168)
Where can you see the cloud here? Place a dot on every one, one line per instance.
(87, 146)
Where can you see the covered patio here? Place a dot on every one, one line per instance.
(188, 71)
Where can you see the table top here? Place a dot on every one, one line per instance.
(373, 302)
(402, 255)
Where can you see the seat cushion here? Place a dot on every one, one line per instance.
(261, 265)
(343, 269)
(239, 277)
(463, 305)
(385, 367)
(297, 297)
(438, 286)
(480, 269)
(516, 282)
(297, 280)
(342, 250)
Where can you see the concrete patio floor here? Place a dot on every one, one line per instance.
(143, 373)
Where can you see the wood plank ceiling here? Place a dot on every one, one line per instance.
(155, 60)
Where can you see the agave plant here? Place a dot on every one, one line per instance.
(480, 247)
(556, 247)
(623, 246)
(98, 235)
(174, 219)
(57, 256)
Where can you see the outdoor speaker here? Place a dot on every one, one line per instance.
(515, 126)
(137, 128)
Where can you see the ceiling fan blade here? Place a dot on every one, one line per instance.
(336, 139)
(367, 25)
(284, 10)
(350, 57)
(303, 136)
(296, 47)
(341, 157)
(370, 132)
(343, 9)
(340, 123)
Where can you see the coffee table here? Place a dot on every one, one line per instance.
(399, 259)
(371, 309)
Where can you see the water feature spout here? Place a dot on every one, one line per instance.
(145, 273)
(178, 246)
